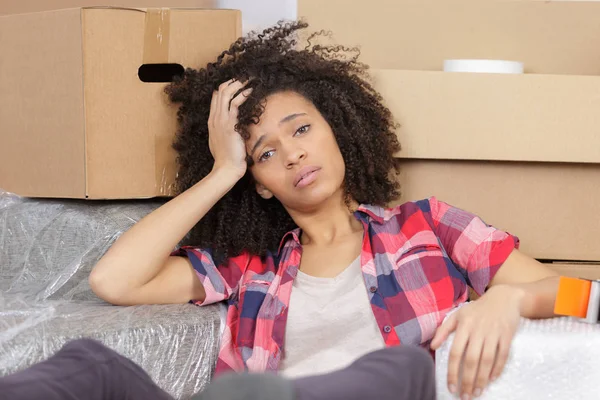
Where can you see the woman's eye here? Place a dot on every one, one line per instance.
(266, 155)
(302, 129)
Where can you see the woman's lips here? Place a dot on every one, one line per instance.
(306, 176)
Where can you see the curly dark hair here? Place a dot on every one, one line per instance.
(333, 79)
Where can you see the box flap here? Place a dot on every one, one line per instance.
(465, 116)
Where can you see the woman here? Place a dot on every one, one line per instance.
(286, 165)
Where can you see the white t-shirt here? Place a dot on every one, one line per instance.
(330, 323)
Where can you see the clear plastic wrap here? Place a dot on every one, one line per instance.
(47, 250)
(556, 358)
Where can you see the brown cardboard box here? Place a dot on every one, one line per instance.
(469, 116)
(76, 121)
(577, 270)
(29, 6)
(553, 208)
(549, 37)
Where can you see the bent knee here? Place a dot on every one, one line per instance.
(89, 348)
(416, 358)
(419, 358)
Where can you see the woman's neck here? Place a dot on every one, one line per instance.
(330, 223)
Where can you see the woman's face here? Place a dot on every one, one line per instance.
(296, 156)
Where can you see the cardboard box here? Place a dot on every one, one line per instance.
(470, 116)
(554, 208)
(577, 270)
(29, 6)
(76, 121)
(549, 37)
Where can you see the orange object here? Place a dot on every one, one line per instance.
(573, 297)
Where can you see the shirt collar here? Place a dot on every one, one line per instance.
(293, 235)
(378, 214)
(373, 213)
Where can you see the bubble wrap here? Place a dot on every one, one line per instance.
(47, 250)
(549, 359)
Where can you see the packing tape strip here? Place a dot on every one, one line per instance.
(156, 36)
(156, 51)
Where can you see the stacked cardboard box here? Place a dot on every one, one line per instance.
(77, 117)
(521, 151)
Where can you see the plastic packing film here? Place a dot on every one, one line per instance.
(556, 358)
(47, 250)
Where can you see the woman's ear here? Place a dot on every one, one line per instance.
(263, 192)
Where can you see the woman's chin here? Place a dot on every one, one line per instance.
(312, 198)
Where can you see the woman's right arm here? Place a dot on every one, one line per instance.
(138, 268)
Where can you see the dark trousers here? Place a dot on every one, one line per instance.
(82, 370)
(85, 369)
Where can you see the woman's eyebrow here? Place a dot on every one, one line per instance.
(290, 117)
(258, 142)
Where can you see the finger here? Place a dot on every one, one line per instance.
(501, 358)
(471, 364)
(239, 100)
(225, 84)
(222, 87)
(229, 87)
(455, 357)
(213, 107)
(488, 357)
(442, 333)
(227, 93)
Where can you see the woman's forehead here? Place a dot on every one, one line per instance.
(278, 108)
(285, 102)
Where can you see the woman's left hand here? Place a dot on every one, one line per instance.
(483, 333)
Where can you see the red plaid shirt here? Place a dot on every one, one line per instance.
(417, 260)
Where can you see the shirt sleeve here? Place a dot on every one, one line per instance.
(220, 282)
(477, 249)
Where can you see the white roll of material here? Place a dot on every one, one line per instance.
(484, 66)
(550, 359)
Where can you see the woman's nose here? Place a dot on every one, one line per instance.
(294, 155)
